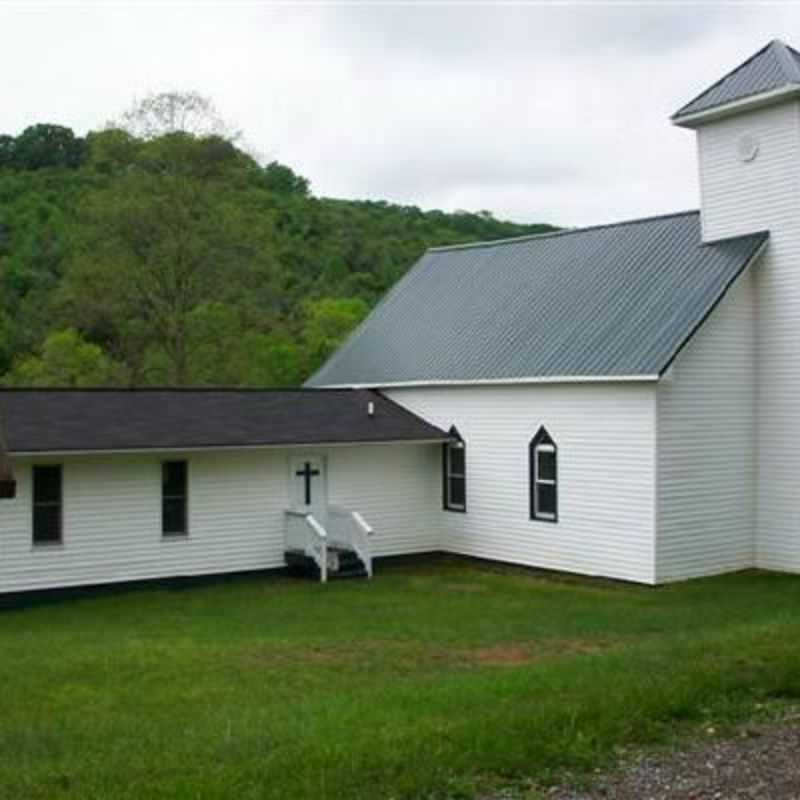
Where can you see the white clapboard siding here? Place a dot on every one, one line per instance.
(396, 490)
(741, 197)
(112, 513)
(706, 446)
(606, 469)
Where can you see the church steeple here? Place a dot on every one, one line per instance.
(770, 75)
(748, 147)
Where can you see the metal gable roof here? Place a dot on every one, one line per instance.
(610, 301)
(63, 420)
(773, 67)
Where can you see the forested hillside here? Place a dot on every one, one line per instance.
(178, 258)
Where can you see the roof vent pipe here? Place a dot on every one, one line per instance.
(371, 409)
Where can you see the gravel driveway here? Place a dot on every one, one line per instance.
(760, 762)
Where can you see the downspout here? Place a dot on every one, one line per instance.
(8, 486)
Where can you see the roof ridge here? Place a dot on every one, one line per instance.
(791, 66)
(773, 43)
(562, 232)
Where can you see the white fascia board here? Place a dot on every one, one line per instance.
(500, 381)
(737, 106)
(211, 448)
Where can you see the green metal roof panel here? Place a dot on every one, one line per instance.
(613, 300)
(773, 67)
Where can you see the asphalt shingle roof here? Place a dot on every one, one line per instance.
(773, 67)
(60, 420)
(612, 300)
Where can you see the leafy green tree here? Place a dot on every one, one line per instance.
(184, 259)
(6, 341)
(66, 359)
(46, 145)
(281, 179)
(112, 151)
(274, 359)
(328, 323)
(7, 145)
(36, 226)
(164, 238)
(216, 346)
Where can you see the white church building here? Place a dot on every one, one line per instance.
(620, 401)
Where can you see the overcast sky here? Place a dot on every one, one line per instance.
(537, 112)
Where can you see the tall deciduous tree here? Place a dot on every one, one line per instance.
(174, 112)
(168, 235)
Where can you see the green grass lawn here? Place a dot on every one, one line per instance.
(430, 681)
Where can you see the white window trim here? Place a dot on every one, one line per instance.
(542, 447)
(451, 504)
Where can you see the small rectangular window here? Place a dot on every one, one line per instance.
(174, 497)
(47, 501)
(455, 476)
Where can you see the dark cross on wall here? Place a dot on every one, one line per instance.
(308, 473)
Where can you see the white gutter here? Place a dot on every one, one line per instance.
(209, 448)
(499, 381)
(737, 106)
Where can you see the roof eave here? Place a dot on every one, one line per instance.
(524, 381)
(698, 118)
(438, 438)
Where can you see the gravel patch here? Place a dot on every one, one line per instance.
(759, 762)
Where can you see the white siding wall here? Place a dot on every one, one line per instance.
(397, 491)
(112, 513)
(706, 440)
(739, 198)
(606, 466)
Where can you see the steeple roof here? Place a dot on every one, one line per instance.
(776, 66)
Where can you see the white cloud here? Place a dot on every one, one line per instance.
(539, 112)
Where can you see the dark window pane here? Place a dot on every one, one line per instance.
(47, 484)
(547, 465)
(546, 494)
(458, 491)
(46, 504)
(456, 461)
(173, 478)
(46, 523)
(174, 516)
